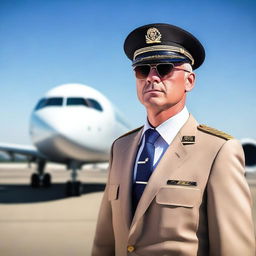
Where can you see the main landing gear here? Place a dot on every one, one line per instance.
(40, 179)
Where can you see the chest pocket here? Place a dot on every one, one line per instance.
(113, 192)
(178, 196)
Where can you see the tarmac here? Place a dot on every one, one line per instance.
(44, 221)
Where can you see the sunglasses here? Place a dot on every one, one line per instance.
(163, 69)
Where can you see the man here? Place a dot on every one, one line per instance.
(174, 187)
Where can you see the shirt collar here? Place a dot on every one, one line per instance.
(169, 129)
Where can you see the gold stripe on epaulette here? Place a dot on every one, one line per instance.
(130, 132)
(215, 132)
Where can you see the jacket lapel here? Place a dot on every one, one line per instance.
(129, 153)
(174, 157)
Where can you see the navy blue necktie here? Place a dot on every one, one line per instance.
(144, 166)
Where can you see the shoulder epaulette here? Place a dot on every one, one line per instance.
(215, 132)
(130, 132)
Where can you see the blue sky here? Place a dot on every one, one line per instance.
(47, 43)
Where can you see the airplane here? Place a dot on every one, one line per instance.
(73, 124)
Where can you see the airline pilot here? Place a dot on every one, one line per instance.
(175, 187)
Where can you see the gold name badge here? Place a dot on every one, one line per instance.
(188, 139)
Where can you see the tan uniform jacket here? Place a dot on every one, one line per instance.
(210, 214)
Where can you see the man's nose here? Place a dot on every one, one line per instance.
(153, 76)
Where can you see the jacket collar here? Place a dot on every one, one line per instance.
(169, 129)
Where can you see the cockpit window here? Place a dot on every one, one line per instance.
(40, 104)
(76, 102)
(71, 101)
(54, 101)
(91, 103)
(94, 104)
(45, 102)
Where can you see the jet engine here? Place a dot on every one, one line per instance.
(249, 147)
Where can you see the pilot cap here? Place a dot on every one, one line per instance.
(161, 42)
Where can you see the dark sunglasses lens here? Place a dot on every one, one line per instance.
(142, 71)
(164, 69)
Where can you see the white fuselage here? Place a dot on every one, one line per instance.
(75, 122)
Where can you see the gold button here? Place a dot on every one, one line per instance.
(130, 248)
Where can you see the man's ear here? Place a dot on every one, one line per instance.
(190, 81)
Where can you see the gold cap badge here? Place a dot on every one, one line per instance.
(153, 36)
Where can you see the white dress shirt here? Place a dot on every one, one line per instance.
(167, 130)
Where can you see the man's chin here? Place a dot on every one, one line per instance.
(153, 102)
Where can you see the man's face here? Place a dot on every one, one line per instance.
(161, 94)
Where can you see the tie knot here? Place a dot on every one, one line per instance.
(151, 135)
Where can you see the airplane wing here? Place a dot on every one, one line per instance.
(26, 150)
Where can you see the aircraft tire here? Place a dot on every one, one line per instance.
(74, 188)
(78, 188)
(47, 180)
(69, 188)
(35, 180)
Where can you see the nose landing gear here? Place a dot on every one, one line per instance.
(74, 187)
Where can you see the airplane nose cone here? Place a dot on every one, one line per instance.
(57, 133)
(42, 126)
(44, 132)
